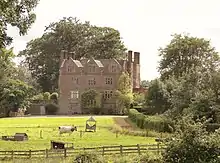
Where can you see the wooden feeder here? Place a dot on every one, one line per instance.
(61, 145)
(90, 127)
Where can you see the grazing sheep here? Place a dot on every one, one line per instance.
(67, 129)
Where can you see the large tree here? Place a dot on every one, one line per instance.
(157, 97)
(17, 13)
(123, 94)
(184, 53)
(84, 40)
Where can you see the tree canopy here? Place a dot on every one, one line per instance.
(17, 14)
(42, 55)
(184, 53)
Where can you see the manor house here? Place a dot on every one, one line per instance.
(76, 76)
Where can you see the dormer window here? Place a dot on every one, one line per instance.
(91, 68)
(113, 68)
(69, 68)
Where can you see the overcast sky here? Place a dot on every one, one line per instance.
(145, 25)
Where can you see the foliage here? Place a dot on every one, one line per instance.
(17, 14)
(123, 95)
(157, 123)
(6, 66)
(139, 98)
(51, 108)
(83, 39)
(148, 158)
(87, 157)
(15, 94)
(193, 144)
(38, 97)
(91, 99)
(157, 98)
(145, 83)
(185, 53)
(21, 72)
(54, 97)
(46, 96)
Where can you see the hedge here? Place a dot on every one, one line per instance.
(157, 122)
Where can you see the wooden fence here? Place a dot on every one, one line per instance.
(105, 150)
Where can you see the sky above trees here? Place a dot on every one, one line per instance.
(145, 25)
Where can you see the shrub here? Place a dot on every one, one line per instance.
(156, 122)
(54, 97)
(46, 96)
(193, 144)
(87, 157)
(51, 108)
(149, 158)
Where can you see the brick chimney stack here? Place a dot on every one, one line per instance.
(136, 70)
(136, 58)
(63, 56)
(130, 66)
(130, 56)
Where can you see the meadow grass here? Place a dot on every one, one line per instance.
(49, 127)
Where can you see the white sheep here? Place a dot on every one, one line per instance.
(67, 129)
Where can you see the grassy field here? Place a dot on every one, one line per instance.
(49, 126)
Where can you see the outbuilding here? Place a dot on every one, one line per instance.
(20, 137)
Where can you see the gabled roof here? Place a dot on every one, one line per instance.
(63, 62)
(99, 63)
(91, 119)
(78, 63)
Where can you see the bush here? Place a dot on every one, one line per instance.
(149, 158)
(193, 144)
(54, 97)
(46, 96)
(51, 108)
(156, 122)
(87, 157)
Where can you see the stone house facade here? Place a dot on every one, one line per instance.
(76, 76)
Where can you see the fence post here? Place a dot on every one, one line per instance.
(103, 151)
(138, 148)
(80, 133)
(29, 153)
(158, 148)
(121, 150)
(12, 154)
(64, 152)
(46, 152)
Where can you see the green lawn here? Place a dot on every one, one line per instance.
(49, 127)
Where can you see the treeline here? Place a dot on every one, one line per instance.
(189, 82)
(185, 98)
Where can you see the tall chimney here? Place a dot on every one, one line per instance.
(130, 56)
(62, 56)
(136, 70)
(136, 58)
(72, 55)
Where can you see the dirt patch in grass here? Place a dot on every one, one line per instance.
(123, 122)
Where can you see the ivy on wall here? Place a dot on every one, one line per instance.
(91, 99)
